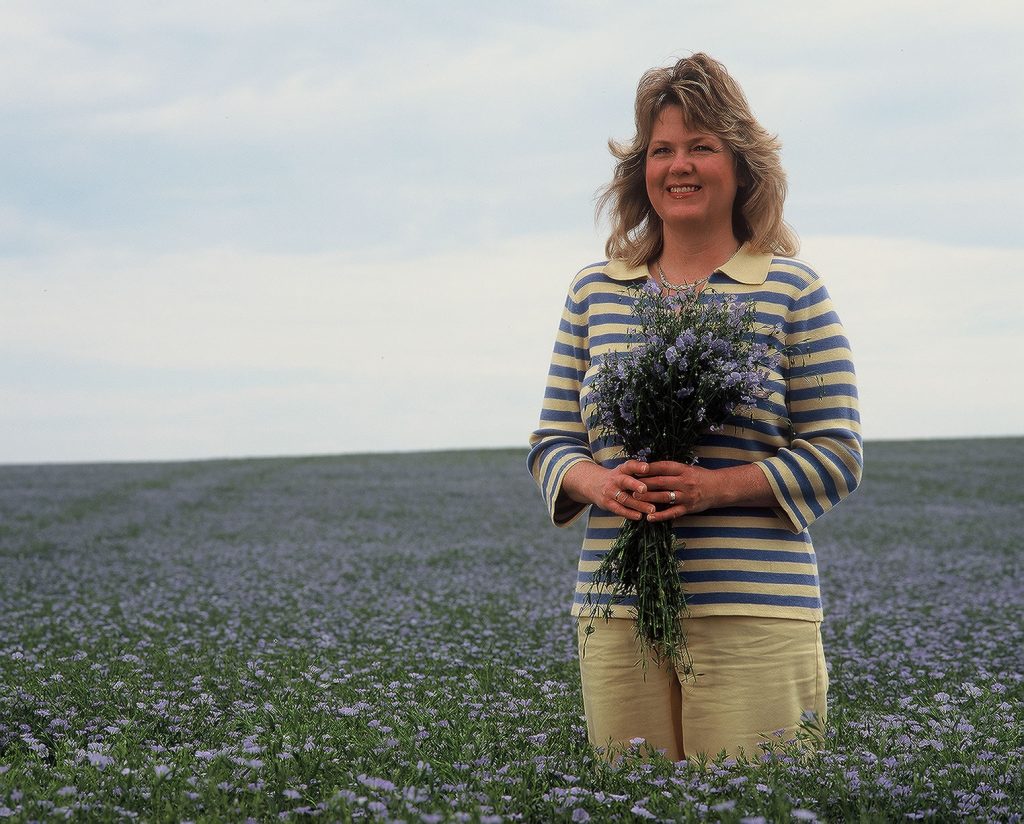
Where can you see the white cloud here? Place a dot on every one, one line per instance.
(45, 64)
(232, 309)
(347, 355)
(430, 85)
(936, 331)
(309, 226)
(226, 352)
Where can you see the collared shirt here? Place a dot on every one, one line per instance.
(805, 437)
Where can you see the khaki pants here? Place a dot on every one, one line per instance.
(755, 677)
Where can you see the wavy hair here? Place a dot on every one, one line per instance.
(712, 101)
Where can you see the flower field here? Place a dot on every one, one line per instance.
(387, 638)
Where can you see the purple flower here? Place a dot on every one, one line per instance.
(375, 783)
(686, 340)
(98, 759)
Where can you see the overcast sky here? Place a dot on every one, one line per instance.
(244, 228)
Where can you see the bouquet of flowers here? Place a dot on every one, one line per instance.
(692, 364)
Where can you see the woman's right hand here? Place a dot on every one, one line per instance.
(609, 489)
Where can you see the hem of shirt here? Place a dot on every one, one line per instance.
(710, 611)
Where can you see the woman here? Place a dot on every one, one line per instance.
(696, 202)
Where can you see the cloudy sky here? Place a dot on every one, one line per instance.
(271, 227)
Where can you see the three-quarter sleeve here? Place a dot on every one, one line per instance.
(561, 439)
(823, 462)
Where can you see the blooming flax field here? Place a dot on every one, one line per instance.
(387, 638)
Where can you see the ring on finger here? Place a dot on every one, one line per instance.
(616, 497)
(671, 496)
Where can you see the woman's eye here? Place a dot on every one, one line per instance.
(703, 147)
(659, 150)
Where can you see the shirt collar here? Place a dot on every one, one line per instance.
(746, 266)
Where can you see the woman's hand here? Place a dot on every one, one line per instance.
(679, 489)
(615, 490)
(665, 490)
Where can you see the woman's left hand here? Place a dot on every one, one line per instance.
(679, 489)
(676, 489)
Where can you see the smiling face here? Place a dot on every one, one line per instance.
(691, 176)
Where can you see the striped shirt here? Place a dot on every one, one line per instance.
(805, 437)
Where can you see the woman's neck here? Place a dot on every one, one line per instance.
(690, 258)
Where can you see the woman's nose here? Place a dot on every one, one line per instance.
(681, 163)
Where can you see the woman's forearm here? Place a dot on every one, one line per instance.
(744, 485)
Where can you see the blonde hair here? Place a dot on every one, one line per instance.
(711, 101)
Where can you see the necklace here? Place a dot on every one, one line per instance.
(694, 285)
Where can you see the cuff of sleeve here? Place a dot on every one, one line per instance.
(786, 507)
(561, 508)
